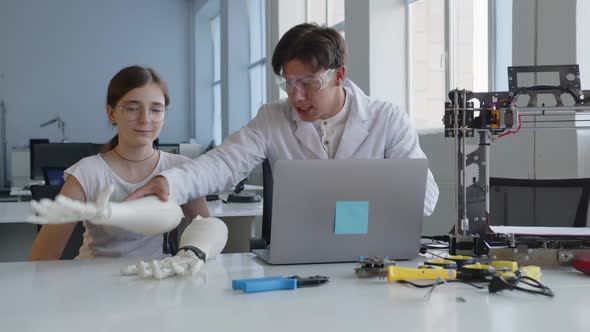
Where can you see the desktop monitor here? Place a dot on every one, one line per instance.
(58, 156)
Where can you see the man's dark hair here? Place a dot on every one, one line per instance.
(321, 48)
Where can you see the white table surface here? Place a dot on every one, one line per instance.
(91, 296)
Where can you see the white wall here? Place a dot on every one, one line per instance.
(58, 56)
(544, 33)
(441, 157)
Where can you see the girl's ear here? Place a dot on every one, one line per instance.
(111, 115)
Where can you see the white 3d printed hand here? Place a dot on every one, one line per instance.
(147, 215)
(64, 209)
(202, 240)
(184, 261)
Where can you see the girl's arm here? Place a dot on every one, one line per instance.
(52, 239)
(196, 207)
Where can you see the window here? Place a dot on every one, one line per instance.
(257, 67)
(448, 49)
(326, 13)
(216, 84)
(501, 39)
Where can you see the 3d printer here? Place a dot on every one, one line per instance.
(491, 115)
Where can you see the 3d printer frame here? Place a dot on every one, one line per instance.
(491, 115)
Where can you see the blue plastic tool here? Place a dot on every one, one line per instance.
(264, 284)
(276, 283)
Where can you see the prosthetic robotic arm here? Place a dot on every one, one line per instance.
(147, 215)
(203, 239)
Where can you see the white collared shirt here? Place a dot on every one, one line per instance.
(330, 130)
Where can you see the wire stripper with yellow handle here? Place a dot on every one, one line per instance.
(397, 273)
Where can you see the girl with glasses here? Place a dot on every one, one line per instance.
(136, 104)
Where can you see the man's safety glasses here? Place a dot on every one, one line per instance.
(305, 83)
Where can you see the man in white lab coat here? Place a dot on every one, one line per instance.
(325, 117)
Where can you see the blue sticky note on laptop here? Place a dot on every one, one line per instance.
(352, 217)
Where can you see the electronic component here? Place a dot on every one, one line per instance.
(373, 267)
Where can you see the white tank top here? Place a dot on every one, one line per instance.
(94, 174)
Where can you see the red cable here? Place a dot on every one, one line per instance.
(513, 131)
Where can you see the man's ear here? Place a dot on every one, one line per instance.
(111, 115)
(340, 75)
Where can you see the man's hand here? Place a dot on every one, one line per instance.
(157, 186)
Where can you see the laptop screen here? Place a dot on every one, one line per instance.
(338, 210)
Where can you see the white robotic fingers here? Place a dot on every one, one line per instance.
(202, 240)
(129, 270)
(147, 215)
(62, 210)
(65, 210)
(77, 210)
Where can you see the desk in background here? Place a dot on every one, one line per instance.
(22, 193)
(16, 236)
(86, 295)
(240, 219)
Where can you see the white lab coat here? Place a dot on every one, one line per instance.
(374, 129)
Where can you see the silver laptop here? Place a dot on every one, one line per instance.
(337, 210)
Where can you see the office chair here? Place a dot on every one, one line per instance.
(530, 202)
(53, 176)
(267, 184)
(75, 242)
